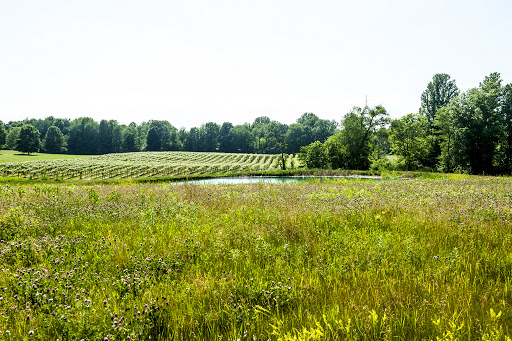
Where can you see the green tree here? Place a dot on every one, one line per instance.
(478, 127)
(295, 138)
(161, 136)
(358, 128)
(314, 155)
(275, 138)
(226, 144)
(12, 136)
(440, 91)
(3, 134)
(83, 136)
(54, 142)
(192, 140)
(449, 138)
(336, 151)
(209, 137)
(154, 139)
(117, 138)
(408, 137)
(109, 137)
(129, 139)
(242, 139)
(28, 139)
(381, 146)
(507, 115)
(322, 129)
(259, 129)
(181, 138)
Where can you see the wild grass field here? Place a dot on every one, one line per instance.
(347, 260)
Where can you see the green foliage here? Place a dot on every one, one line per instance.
(337, 154)
(507, 116)
(129, 140)
(243, 139)
(28, 139)
(209, 137)
(408, 136)
(161, 136)
(83, 136)
(12, 137)
(308, 129)
(473, 127)
(3, 134)
(109, 137)
(440, 91)
(354, 141)
(54, 142)
(314, 155)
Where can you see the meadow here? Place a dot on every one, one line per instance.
(346, 260)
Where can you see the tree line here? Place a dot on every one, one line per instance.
(452, 131)
(87, 137)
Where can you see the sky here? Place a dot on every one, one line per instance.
(191, 62)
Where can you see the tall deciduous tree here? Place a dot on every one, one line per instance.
(129, 139)
(259, 129)
(314, 155)
(478, 127)
(242, 139)
(54, 142)
(440, 91)
(507, 115)
(209, 137)
(106, 136)
(83, 136)
(28, 139)
(359, 125)
(408, 137)
(3, 134)
(295, 138)
(161, 136)
(192, 140)
(12, 136)
(226, 144)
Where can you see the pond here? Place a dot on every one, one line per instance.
(269, 179)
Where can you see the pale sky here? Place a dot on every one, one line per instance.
(191, 62)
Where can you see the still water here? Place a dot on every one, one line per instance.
(268, 179)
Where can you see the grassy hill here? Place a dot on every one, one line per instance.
(136, 165)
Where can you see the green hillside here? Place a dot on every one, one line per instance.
(140, 165)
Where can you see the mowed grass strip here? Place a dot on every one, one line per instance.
(14, 156)
(353, 260)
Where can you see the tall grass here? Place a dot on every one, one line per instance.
(416, 259)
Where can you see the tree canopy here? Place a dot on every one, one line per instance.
(54, 142)
(452, 131)
(28, 139)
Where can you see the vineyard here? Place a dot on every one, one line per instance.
(140, 165)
